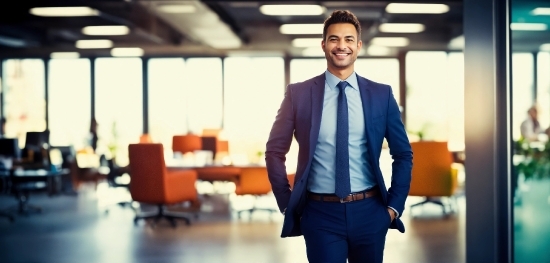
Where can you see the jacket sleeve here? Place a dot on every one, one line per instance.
(401, 152)
(278, 145)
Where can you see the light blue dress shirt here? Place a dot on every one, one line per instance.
(322, 173)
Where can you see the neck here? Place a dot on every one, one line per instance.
(341, 73)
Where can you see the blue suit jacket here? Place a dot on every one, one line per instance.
(300, 115)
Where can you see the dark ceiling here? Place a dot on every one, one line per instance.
(164, 34)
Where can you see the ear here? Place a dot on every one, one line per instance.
(323, 44)
(359, 45)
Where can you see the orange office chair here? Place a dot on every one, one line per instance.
(153, 183)
(432, 174)
(253, 181)
(186, 143)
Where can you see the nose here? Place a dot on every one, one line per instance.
(341, 45)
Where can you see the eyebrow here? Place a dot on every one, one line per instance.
(348, 36)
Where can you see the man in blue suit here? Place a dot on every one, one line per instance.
(339, 201)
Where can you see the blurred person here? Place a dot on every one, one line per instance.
(339, 202)
(530, 127)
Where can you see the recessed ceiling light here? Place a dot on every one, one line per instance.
(64, 55)
(313, 52)
(105, 30)
(417, 8)
(375, 50)
(292, 10)
(307, 42)
(94, 43)
(545, 47)
(401, 28)
(127, 52)
(541, 11)
(390, 41)
(301, 29)
(64, 11)
(177, 9)
(528, 26)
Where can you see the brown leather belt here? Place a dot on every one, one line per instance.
(350, 198)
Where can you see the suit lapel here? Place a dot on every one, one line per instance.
(317, 99)
(366, 97)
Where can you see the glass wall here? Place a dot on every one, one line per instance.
(531, 153)
(69, 107)
(203, 81)
(119, 105)
(168, 96)
(254, 89)
(435, 97)
(24, 97)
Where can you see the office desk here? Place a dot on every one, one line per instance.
(21, 182)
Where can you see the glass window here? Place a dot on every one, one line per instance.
(427, 95)
(543, 88)
(522, 88)
(168, 100)
(382, 70)
(455, 101)
(69, 106)
(119, 105)
(304, 69)
(203, 81)
(254, 89)
(24, 97)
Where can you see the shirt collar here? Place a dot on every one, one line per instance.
(332, 80)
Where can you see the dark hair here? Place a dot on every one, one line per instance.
(341, 16)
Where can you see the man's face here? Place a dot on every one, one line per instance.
(341, 45)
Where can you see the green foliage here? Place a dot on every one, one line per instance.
(536, 160)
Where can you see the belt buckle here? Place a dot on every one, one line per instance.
(342, 201)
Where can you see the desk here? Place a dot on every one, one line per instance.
(21, 182)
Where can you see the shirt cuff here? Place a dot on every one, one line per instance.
(396, 213)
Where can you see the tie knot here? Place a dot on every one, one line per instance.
(342, 85)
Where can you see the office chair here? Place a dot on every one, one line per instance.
(433, 175)
(186, 143)
(253, 181)
(152, 183)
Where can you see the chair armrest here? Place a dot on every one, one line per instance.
(180, 185)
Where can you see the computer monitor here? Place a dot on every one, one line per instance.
(35, 140)
(9, 147)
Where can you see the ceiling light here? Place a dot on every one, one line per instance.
(307, 42)
(390, 41)
(528, 26)
(545, 47)
(401, 28)
(301, 29)
(127, 52)
(456, 43)
(64, 55)
(64, 11)
(417, 8)
(292, 10)
(177, 9)
(313, 52)
(541, 11)
(375, 50)
(105, 30)
(94, 43)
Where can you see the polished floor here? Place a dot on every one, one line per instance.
(77, 229)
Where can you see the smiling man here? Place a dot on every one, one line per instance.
(339, 201)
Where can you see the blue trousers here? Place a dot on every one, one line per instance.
(355, 231)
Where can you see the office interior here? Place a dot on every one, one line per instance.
(464, 73)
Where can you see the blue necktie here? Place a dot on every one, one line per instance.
(343, 187)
